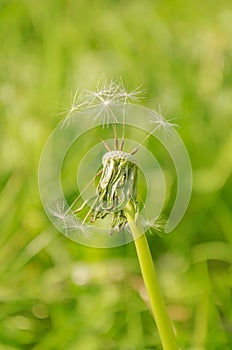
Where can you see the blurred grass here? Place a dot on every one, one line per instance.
(55, 294)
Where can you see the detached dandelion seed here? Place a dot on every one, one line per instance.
(132, 96)
(78, 103)
(162, 124)
(106, 94)
(65, 218)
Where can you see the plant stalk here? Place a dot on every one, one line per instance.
(158, 308)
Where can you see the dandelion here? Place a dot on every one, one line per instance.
(116, 193)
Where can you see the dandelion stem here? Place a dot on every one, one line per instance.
(158, 308)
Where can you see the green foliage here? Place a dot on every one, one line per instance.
(55, 294)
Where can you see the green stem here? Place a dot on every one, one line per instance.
(158, 308)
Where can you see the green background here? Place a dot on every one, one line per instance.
(54, 293)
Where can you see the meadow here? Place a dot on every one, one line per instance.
(57, 294)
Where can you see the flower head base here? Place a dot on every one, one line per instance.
(117, 186)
